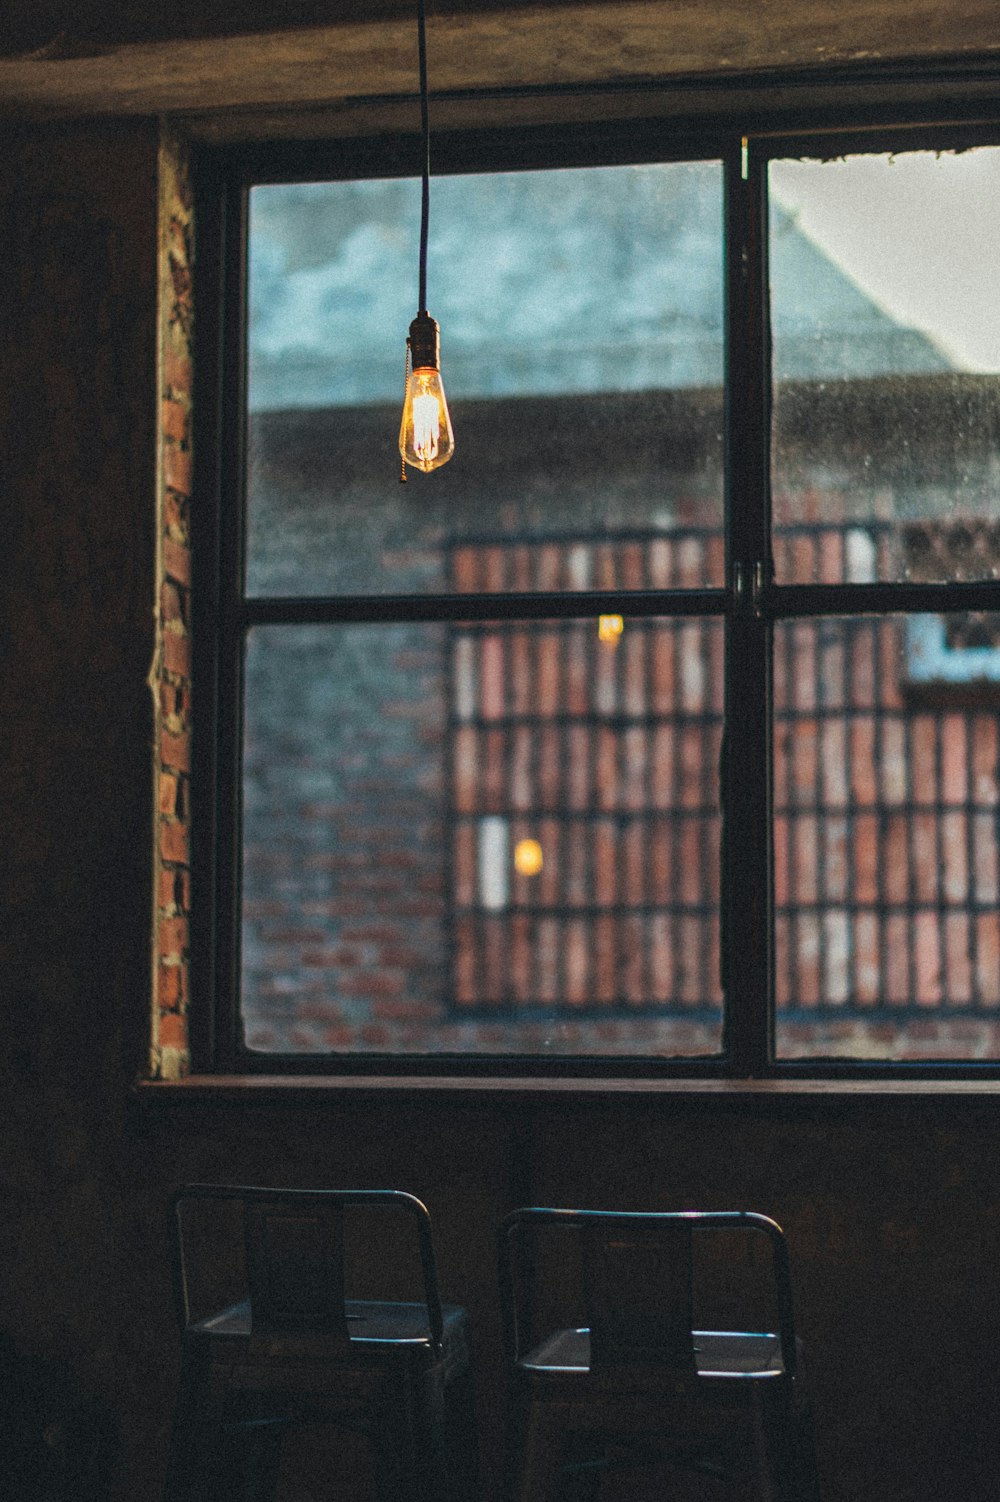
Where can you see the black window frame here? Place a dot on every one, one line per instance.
(750, 602)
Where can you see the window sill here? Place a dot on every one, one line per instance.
(221, 1089)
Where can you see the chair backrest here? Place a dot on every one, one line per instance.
(294, 1247)
(637, 1280)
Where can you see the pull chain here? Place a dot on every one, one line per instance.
(406, 382)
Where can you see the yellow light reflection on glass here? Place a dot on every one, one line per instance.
(527, 857)
(610, 628)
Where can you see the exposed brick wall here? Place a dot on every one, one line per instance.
(172, 671)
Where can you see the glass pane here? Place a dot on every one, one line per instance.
(886, 338)
(885, 847)
(581, 352)
(498, 838)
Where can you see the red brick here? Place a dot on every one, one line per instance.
(692, 667)
(494, 570)
(926, 869)
(689, 854)
(894, 761)
(803, 658)
(606, 768)
(805, 854)
(172, 603)
(546, 887)
(466, 954)
(178, 370)
(605, 572)
(577, 768)
(923, 757)
(169, 794)
(176, 420)
(891, 661)
(519, 567)
(661, 958)
(863, 667)
(521, 968)
(465, 570)
(177, 560)
(661, 866)
(805, 978)
(988, 958)
(664, 686)
(662, 767)
(954, 759)
(833, 762)
(866, 858)
(605, 959)
(927, 959)
(576, 962)
(177, 468)
(692, 766)
(177, 653)
(954, 858)
(867, 960)
(804, 743)
(958, 969)
(633, 956)
(831, 557)
(897, 962)
(549, 945)
(173, 1030)
(492, 678)
(690, 948)
(985, 769)
(465, 766)
(895, 873)
(548, 673)
(167, 889)
(175, 751)
(173, 936)
(660, 563)
(864, 787)
(836, 956)
(174, 841)
(492, 787)
(634, 777)
(171, 991)
(634, 863)
(632, 650)
(575, 865)
(175, 516)
(632, 564)
(834, 857)
(985, 859)
(605, 862)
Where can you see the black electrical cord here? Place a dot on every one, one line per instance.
(425, 192)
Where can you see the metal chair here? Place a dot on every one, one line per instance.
(635, 1384)
(297, 1356)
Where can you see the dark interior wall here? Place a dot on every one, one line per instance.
(892, 1205)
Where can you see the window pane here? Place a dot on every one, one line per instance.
(887, 940)
(581, 350)
(498, 838)
(886, 340)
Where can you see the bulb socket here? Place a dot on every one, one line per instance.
(425, 343)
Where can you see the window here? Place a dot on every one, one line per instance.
(610, 743)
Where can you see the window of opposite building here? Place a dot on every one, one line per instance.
(608, 742)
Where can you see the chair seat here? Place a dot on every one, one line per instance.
(717, 1353)
(369, 1322)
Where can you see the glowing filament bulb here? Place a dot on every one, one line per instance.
(527, 857)
(609, 629)
(425, 437)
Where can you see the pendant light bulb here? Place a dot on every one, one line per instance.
(426, 440)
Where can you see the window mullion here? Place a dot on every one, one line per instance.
(746, 896)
